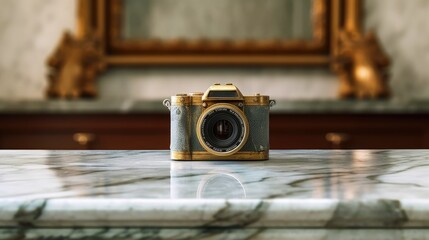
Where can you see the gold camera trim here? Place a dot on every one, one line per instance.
(205, 156)
(217, 87)
(257, 100)
(199, 98)
(246, 129)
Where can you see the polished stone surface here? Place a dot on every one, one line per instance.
(314, 174)
(112, 192)
(214, 234)
(155, 106)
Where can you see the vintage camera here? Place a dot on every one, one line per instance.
(220, 124)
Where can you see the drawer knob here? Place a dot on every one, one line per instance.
(83, 138)
(337, 139)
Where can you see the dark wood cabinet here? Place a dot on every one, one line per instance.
(116, 131)
(152, 131)
(353, 131)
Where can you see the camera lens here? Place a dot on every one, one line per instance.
(222, 129)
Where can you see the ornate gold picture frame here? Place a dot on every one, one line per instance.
(97, 44)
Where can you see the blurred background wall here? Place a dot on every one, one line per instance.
(30, 29)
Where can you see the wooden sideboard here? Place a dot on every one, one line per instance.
(152, 131)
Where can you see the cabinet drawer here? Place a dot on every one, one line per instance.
(139, 131)
(132, 141)
(66, 141)
(318, 131)
(38, 141)
(152, 131)
(350, 140)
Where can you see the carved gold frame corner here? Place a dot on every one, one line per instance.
(357, 57)
(78, 59)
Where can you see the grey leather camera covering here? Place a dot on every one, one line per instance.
(184, 121)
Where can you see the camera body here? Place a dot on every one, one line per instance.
(220, 124)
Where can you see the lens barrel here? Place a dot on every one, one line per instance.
(223, 129)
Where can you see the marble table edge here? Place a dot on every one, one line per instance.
(291, 213)
(211, 233)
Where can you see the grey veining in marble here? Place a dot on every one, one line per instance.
(334, 189)
(155, 106)
(315, 174)
(214, 234)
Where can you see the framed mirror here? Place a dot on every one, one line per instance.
(206, 32)
(218, 33)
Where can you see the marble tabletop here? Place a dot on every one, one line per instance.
(314, 188)
(133, 106)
